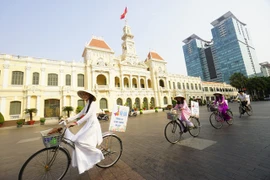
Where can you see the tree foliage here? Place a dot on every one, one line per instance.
(257, 87)
(238, 80)
(68, 109)
(30, 111)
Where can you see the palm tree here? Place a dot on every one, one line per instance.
(68, 109)
(30, 111)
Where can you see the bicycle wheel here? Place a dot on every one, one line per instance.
(229, 112)
(249, 111)
(195, 131)
(240, 111)
(48, 163)
(173, 132)
(216, 120)
(111, 148)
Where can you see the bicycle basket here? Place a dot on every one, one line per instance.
(50, 140)
(213, 108)
(171, 116)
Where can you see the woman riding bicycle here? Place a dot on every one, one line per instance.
(86, 155)
(222, 105)
(183, 109)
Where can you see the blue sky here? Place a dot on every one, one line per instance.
(58, 29)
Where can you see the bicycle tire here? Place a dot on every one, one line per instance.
(111, 148)
(240, 112)
(229, 112)
(195, 131)
(250, 111)
(216, 120)
(36, 166)
(175, 129)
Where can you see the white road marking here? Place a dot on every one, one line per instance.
(197, 143)
(28, 140)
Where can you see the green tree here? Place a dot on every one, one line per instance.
(79, 109)
(30, 111)
(238, 80)
(2, 119)
(68, 109)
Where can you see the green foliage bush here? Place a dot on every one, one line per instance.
(79, 109)
(2, 119)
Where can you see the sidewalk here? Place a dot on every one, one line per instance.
(47, 123)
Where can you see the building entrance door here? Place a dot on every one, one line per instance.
(52, 108)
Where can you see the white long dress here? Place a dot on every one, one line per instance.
(86, 155)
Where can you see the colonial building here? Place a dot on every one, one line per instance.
(49, 85)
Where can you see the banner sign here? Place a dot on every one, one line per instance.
(195, 109)
(119, 118)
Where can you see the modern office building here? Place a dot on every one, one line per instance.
(231, 51)
(265, 68)
(49, 85)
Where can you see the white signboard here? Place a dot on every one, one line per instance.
(119, 118)
(195, 109)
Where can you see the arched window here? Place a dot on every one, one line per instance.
(68, 80)
(15, 108)
(81, 103)
(103, 103)
(173, 85)
(52, 79)
(191, 86)
(165, 100)
(80, 80)
(126, 85)
(17, 78)
(145, 103)
(183, 85)
(196, 87)
(187, 86)
(149, 83)
(116, 82)
(161, 83)
(119, 101)
(35, 80)
(129, 103)
(101, 80)
(152, 101)
(179, 85)
(137, 102)
(134, 83)
(142, 83)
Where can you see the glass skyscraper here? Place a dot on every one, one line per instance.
(231, 50)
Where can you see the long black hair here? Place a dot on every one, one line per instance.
(90, 102)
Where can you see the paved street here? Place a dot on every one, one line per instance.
(240, 151)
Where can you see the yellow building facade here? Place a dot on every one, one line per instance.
(49, 85)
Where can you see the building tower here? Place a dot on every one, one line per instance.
(233, 50)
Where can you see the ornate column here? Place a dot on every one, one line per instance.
(42, 78)
(38, 106)
(130, 81)
(3, 105)
(28, 102)
(64, 101)
(139, 82)
(73, 78)
(27, 74)
(62, 78)
(5, 75)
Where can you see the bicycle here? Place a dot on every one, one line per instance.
(244, 109)
(173, 131)
(53, 161)
(216, 118)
